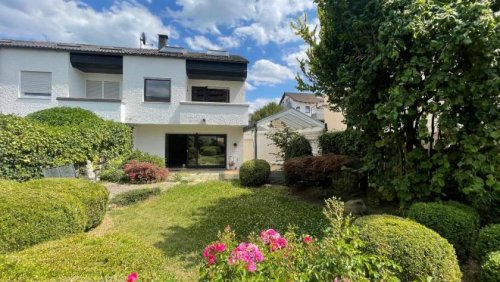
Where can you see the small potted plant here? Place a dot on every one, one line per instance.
(231, 164)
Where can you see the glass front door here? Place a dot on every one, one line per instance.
(203, 150)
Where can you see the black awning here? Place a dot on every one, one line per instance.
(97, 63)
(216, 70)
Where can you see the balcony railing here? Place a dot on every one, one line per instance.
(109, 109)
(213, 113)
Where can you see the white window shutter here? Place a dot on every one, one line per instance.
(111, 89)
(35, 83)
(94, 89)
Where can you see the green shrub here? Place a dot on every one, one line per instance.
(112, 171)
(488, 241)
(31, 216)
(145, 172)
(455, 222)
(26, 146)
(420, 251)
(85, 258)
(210, 150)
(342, 143)
(94, 196)
(297, 147)
(64, 116)
(145, 157)
(490, 269)
(254, 172)
(134, 196)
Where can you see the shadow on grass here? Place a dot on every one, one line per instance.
(260, 209)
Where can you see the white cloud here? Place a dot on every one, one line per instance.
(74, 21)
(201, 43)
(249, 86)
(229, 42)
(291, 59)
(265, 72)
(263, 21)
(260, 102)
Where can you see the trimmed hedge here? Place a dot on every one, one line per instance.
(27, 145)
(313, 170)
(134, 196)
(342, 143)
(31, 216)
(64, 116)
(488, 241)
(36, 211)
(455, 222)
(210, 150)
(297, 147)
(254, 172)
(94, 196)
(490, 269)
(420, 251)
(85, 258)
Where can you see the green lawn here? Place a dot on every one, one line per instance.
(184, 219)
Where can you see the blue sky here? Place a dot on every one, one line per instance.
(257, 29)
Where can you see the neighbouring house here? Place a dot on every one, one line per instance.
(258, 145)
(187, 107)
(315, 107)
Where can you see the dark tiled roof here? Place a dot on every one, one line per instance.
(302, 97)
(111, 50)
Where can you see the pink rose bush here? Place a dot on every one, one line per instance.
(132, 277)
(336, 256)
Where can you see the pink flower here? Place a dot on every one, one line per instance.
(212, 250)
(273, 239)
(132, 277)
(268, 235)
(307, 239)
(247, 253)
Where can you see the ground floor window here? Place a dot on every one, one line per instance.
(196, 150)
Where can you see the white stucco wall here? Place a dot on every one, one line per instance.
(288, 102)
(151, 138)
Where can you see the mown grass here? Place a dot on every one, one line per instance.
(184, 219)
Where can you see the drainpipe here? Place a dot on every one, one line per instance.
(255, 141)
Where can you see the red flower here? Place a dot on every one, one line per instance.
(132, 277)
(307, 239)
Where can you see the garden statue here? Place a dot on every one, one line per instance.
(90, 170)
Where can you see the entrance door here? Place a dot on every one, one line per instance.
(197, 150)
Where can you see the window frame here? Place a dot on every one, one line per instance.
(39, 95)
(160, 100)
(307, 109)
(205, 96)
(297, 108)
(102, 82)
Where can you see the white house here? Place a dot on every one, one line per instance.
(187, 107)
(315, 107)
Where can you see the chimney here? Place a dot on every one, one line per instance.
(162, 41)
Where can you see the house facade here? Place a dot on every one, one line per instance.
(315, 107)
(187, 107)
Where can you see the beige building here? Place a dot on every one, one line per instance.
(315, 107)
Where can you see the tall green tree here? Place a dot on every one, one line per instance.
(420, 79)
(267, 110)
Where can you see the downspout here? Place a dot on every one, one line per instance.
(255, 141)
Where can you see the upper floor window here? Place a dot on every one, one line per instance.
(97, 89)
(298, 108)
(156, 90)
(205, 94)
(35, 83)
(308, 109)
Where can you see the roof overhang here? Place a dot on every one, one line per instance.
(97, 63)
(292, 118)
(200, 69)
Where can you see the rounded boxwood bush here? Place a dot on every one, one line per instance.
(85, 258)
(31, 216)
(420, 251)
(488, 241)
(210, 150)
(297, 147)
(490, 269)
(94, 196)
(455, 222)
(63, 116)
(254, 172)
